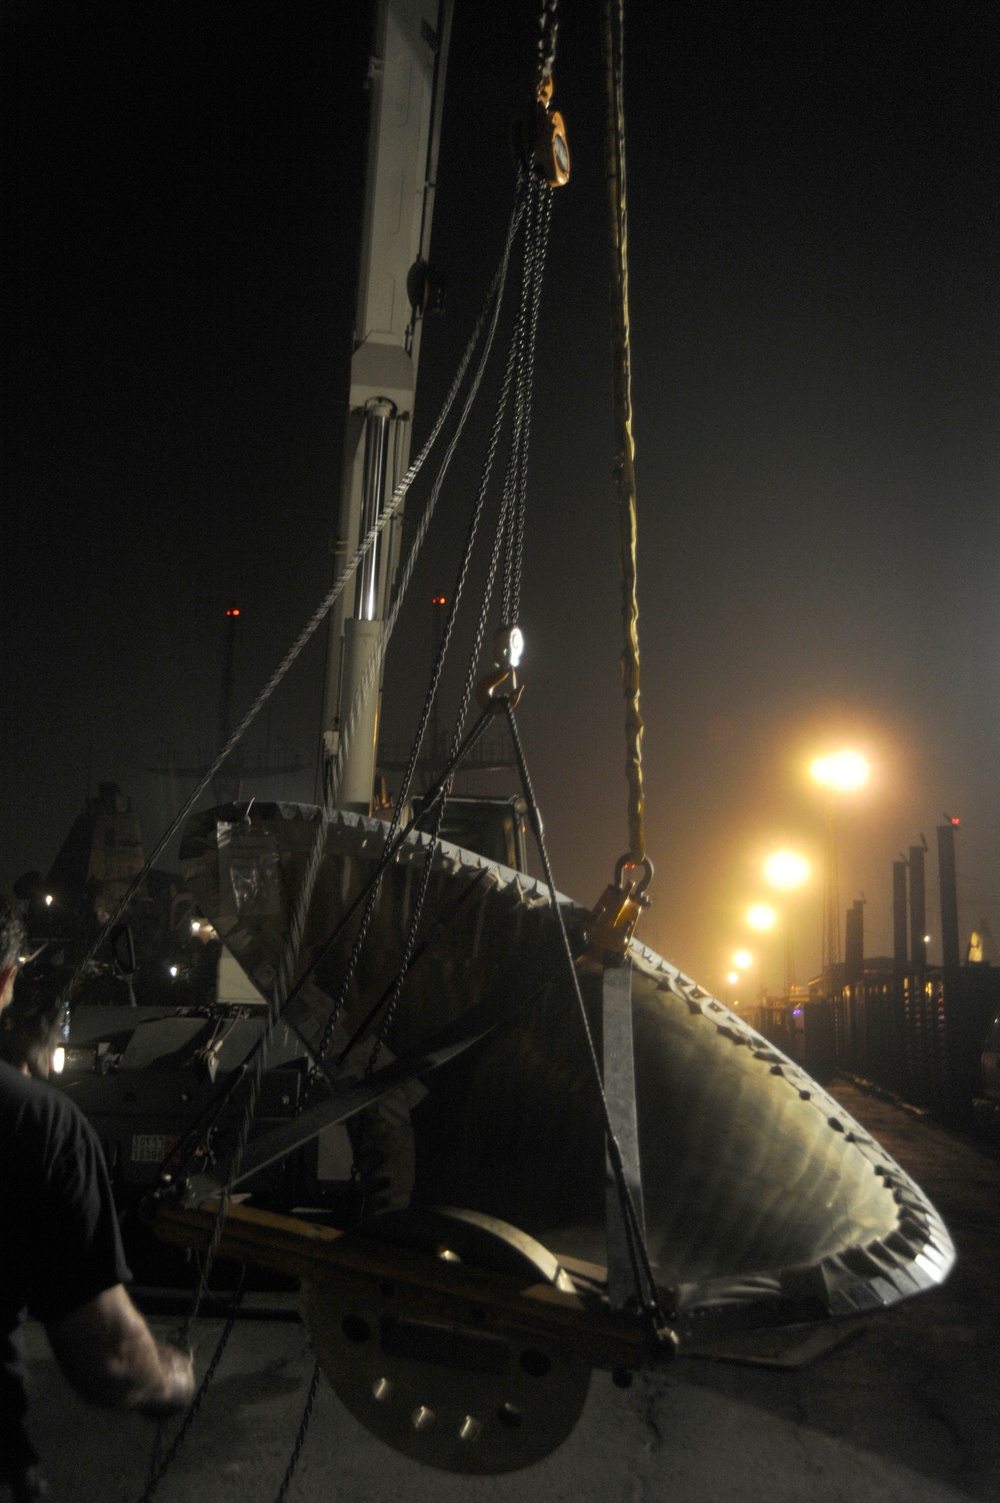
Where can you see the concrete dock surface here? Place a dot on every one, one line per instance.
(904, 1409)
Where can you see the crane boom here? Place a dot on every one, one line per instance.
(406, 83)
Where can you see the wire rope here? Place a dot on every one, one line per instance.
(622, 396)
(290, 951)
(520, 358)
(548, 31)
(311, 626)
(642, 1271)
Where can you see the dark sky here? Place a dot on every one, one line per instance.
(815, 324)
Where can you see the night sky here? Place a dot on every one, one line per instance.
(815, 330)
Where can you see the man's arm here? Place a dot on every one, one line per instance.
(111, 1357)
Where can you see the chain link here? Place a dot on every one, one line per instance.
(300, 1437)
(534, 206)
(493, 299)
(544, 204)
(162, 1463)
(519, 374)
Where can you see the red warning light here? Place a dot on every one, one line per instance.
(233, 610)
(439, 600)
(953, 819)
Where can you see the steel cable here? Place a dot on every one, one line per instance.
(311, 626)
(291, 948)
(520, 361)
(548, 31)
(622, 393)
(642, 1271)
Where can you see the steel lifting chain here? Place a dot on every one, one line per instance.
(283, 983)
(516, 483)
(496, 297)
(518, 378)
(322, 611)
(300, 1436)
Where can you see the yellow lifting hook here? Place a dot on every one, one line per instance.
(611, 923)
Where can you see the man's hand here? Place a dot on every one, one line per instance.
(176, 1389)
(111, 1357)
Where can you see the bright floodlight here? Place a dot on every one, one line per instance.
(786, 870)
(762, 916)
(733, 977)
(743, 960)
(841, 772)
(57, 1063)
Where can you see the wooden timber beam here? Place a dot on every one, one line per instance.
(580, 1322)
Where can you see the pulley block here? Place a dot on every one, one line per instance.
(540, 142)
(550, 150)
(508, 649)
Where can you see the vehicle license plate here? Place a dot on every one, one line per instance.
(149, 1147)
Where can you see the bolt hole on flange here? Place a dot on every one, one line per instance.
(510, 1416)
(535, 1364)
(422, 1418)
(382, 1390)
(470, 1429)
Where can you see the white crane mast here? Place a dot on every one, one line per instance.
(406, 82)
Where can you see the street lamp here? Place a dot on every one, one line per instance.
(742, 960)
(762, 916)
(837, 772)
(841, 772)
(785, 871)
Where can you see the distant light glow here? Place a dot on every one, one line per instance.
(49, 900)
(733, 977)
(173, 970)
(439, 600)
(742, 960)
(841, 772)
(762, 916)
(786, 870)
(233, 610)
(195, 926)
(57, 1061)
(927, 939)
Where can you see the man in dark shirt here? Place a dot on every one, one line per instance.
(61, 1259)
